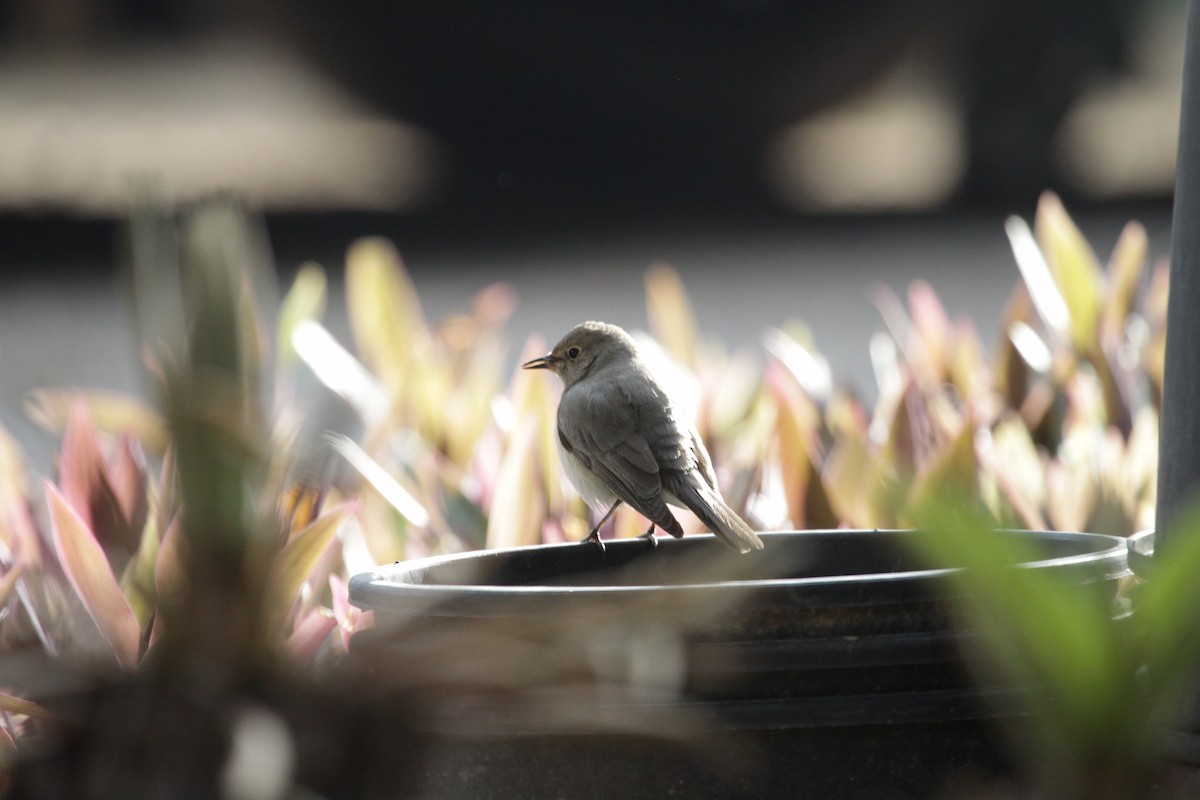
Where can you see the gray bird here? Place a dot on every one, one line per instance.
(622, 440)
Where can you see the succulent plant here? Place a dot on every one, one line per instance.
(273, 466)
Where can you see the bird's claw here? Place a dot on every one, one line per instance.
(649, 536)
(594, 537)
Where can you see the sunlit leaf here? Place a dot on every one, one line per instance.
(304, 301)
(794, 421)
(1015, 463)
(670, 313)
(83, 560)
(388, 487)
(1040, 282)
(858, 487)
(809, 369)
(10, 704)
(953, 471)
(295, 564)
(1012, 372)
(476, 385)
(384, 530)
(731, 392)
(909, 434)
(515, 517)
(341, 372)
(930, 348)
(1076, 272)
(1125, 268)
(17, 529)
(534, 396)
(109, 411)
(967, 368)
(1140, 466)
(385, 313)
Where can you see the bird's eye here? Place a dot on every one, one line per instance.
(573, 352)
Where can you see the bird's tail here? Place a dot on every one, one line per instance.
(707, 504)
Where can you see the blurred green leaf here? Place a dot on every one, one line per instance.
(83, 560)
(169, 572)
(1166, 619)
(1055, 639)
(138, 581)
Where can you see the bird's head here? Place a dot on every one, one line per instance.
(587, 347)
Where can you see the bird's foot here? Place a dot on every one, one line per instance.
(649, 537)
(594, 537)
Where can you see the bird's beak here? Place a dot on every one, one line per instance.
(545, 362)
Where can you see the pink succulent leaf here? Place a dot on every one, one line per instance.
(17, 525)
(87, 569)
(351, 619)
(88, 489)
(310, 633)
(494, 304)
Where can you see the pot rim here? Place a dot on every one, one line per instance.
(378, 588)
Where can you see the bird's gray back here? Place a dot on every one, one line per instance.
(621, 424)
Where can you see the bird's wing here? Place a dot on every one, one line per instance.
(703, 461)
(604, 427)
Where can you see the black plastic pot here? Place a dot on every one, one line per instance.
(826, 666)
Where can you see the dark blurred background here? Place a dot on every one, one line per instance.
(784, 155)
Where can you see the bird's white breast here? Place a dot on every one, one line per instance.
(593, 490)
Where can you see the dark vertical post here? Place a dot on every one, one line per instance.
(1179, 438)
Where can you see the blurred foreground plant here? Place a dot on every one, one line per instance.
(1104, 686)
